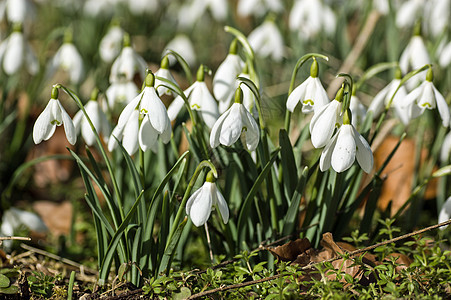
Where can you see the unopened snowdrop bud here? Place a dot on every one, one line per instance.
(164, 72)
(310, 93)
(202, 201)
(53, 115)
(236, 122)
(324, 121)
(344, 147)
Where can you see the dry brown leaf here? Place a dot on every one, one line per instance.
(57, 216)
(291, 250)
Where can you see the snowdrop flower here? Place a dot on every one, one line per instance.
(444, 55)
(98, 119)
(358, 110)
(164, 72)
(15, 53)
(310, 17)
(310, 93)
(110, 45)
(383, 97)
(121, 92)
(192, 11)
(182, 45)
(249, 98)
(199, 98)
(69, 60)
(224, 81)
(140, 7)
(344, 147)
(258, 8)
(445, 213)
(267, 41)
(128, 64)
(438, 17)
(18, 11)
(445, 151)
(414, 56)
(202, 201)
(95, 8)
(155, 121)
(236, 122)
(324, 121)
(408, 13)
(426, 96)
(382, 6)
(53, 115)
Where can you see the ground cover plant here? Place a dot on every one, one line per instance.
(252, 149)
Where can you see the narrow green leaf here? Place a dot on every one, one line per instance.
(70, 289)
(169, 252)
(293, 210)
(289, 170)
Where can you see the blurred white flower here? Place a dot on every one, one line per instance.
(111, 44)
(236, 122)
(68, 59)
(182, 45)
(164, 72)
(202, 201)
(18, 11)
(324, 121)
(267, 41)
(358, 111)
(382, 6)
(15, 53)
(439, 16)
(191, 11)
(121, 92)
(128, 64)
(258, 8)
(224, 81)
(95, 8)
(408, 13)
(98, 119)
(53, 115)
(444, 54)
(140, 7)
(445, 213)
(445, 150)
(414, 56)
(342, 150)
(310, 93)
(310, 17)
(200, 99)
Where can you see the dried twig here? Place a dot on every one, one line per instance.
(353, 253)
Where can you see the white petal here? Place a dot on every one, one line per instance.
(221, 203)
(377, 105)
(175, 107)
(445, 150)
(208, 106)
(200, 208)
(252, 133)
(14, 54)
(232, 126)
(296, 96)
(225, 76)
(147, 135)
(216, 130)
(320, 97)
(326, 154)
(343, 154)
(323, 123)
(129, 110)
(131, 129)
(69, 127)
(445, 212)
(116, 135)
(167, 134)
(442, 107)
(43, 129)
(427, 98)
(158, 114)
(364, 154)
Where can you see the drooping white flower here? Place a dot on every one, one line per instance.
(128, 134)
(258, 8)
(68, 59)
(19, 11)
(438, 18)
(324, 121)
(445, 213)
(182, 45)
(414, 56)
(164, 72)
(202, 201)
(249, 97)
(358, 111)
(224, 81)
(408, 13)
(141, 7)
(444, 55)
(310, 93)
(111, 43)
(344, 147)
(267, 41)
(200, 99)
(128, 64)
(191, 11)
(309, 17)
(121, 92)
(236, 122)
(98, 119)
(382, 6)
(15, 53)
(445, 151)
(53, 115)
(426, 96)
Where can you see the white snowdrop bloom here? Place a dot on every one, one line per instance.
(148, 135)
(236, 122)
(200, 99)
(182, 45)
(98, 119)
(95, 8)
(164, 72)
(344, 147)
(444, 55)
(140, 7)
(267, 41)
(202, 201)
(445, 151)
(120, 93)
(191, 11)
(310, 93)
(310, 17)
(358, 111)
(224, 81)
(426, 96)
(19, 11)
(382, 6)
(111, 44)
(324, 121)
(15, 53)
(258, 8)
(249, 98)
(414, 56)
(445, 213)
(127, 133)
(68, 59)
(128, 64)
(438, 18)
(408, 13)
(53, 115)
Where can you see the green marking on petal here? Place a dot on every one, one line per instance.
(55, 122)
(195, 105)
(244, 129)
(308, 102)
(143, 111)
(427, 105)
